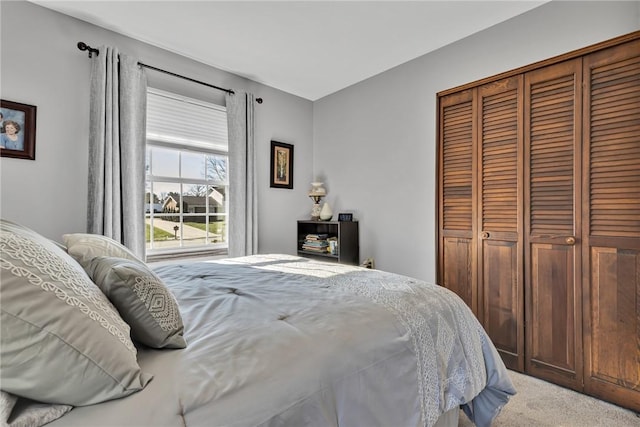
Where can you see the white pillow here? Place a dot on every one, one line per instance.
(85, 247)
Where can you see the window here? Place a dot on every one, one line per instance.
(187, 185)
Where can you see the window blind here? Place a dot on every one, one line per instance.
(187, 122)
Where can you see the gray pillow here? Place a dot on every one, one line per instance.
(84, 247)
(142, 299)
(61, 340)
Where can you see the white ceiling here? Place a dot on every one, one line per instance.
(307, 48)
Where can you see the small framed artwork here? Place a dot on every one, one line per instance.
(17, 130)
(345, 217)
(281, 165)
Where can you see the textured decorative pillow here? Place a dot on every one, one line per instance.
(61, 340)
(84, 247)
(142, 299)
(19, 412)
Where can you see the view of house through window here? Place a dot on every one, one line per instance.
(187, 187)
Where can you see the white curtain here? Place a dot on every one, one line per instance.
(243, 221)
(117, 149)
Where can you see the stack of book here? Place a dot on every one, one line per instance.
(316, 243)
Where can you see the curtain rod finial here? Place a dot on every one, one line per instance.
(83, 46)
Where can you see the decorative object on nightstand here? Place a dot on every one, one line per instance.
(326, 213)
(317, 193)
(333, 245)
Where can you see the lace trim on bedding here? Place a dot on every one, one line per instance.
(442, 385)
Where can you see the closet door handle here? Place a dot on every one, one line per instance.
(570, 240)
(485, 235)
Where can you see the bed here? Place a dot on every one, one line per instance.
(273, 340)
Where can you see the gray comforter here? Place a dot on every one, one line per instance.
(276, 340)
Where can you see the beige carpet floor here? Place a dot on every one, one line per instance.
(542, 404)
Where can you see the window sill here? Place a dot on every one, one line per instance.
(193, 255)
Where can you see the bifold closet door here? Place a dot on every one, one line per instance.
(500, 252)
(612, 235)
(456, 176)
(553, 284)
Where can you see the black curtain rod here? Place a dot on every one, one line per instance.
(84, 47)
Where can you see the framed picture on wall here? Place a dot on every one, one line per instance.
(281, 165)
(17, 130)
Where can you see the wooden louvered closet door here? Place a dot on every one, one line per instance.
(612, 235)
(457, 207)
(499, 217)
(539, 215)
(552, 203)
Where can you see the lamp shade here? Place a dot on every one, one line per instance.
(317, 189)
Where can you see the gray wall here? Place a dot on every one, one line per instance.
(40, 65)
(375, 142)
